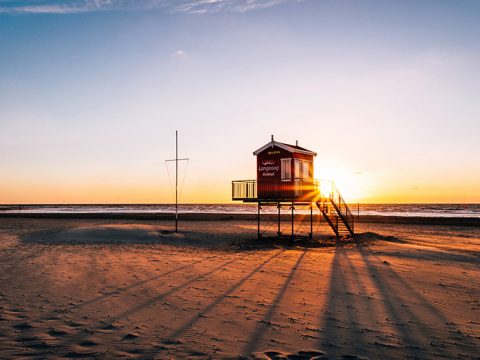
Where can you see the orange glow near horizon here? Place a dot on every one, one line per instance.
(355, 188)
(205, 183)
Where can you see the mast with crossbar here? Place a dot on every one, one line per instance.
(176, 178)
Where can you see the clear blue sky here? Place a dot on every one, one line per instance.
(91, 92)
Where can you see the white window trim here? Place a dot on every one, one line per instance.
(301, 163)
(295, 175)
(290, 169)
(310, 168)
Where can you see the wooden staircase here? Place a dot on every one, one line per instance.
(336, 211)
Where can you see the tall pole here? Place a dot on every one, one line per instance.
(176, 177)
(176, 180)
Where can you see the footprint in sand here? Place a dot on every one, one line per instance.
(55, 332)
(34, 342)
(23, 326)
(300, 355)
(109, 327)
(87, 343)
(130, 336)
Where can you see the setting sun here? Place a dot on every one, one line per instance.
(353, 186)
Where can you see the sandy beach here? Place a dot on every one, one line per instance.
(99, 288)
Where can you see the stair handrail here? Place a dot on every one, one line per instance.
(328, 190)
(342, 205)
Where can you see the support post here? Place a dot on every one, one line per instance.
(258, 221)
(311, 221)
(293, 221)
(278, 220)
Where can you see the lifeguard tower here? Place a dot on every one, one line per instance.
(285, 180)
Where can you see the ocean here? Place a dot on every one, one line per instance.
(421, 210)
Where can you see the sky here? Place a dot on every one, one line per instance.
(92, 91)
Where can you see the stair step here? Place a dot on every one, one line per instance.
(334, 218)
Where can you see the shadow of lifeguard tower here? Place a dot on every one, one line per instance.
(285, 180)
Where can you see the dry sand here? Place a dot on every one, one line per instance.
(127, 288)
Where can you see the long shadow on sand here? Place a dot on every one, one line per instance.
(470, 257)
(351, 313)
(259, 332)
(340, 319)
(140, 283)
(414, 329)
(174, 335)
(82, 335)
(163, 295)
(222, 297)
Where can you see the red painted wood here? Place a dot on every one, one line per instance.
(270, 184)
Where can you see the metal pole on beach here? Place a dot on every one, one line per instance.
(176, 177)
(176, 180)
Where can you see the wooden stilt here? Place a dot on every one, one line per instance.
(258, 222)
(278, 220)
(311, 221)
(293, 221)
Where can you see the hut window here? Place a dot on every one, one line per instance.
(286, 169)
(306, 170)
(298, 169)
(302, 169)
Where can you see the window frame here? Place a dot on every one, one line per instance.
(309, 165)
(297, 175)
(283, 169)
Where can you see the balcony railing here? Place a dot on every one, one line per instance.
(244, 190)
(324, 193)
(296, 190)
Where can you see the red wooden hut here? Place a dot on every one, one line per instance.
(284, 172)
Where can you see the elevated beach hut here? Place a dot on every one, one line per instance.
(285, 178)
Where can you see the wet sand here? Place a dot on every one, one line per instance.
(98, 288)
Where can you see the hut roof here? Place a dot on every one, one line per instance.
(287, 147)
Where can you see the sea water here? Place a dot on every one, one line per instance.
(422, 210)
